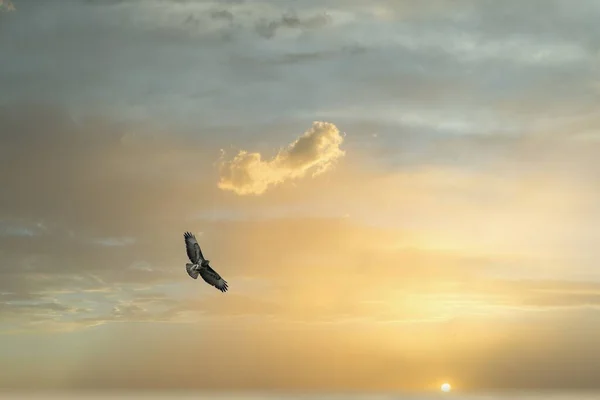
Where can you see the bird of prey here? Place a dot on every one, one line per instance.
(200, 265)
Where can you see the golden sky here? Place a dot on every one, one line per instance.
(396, 198)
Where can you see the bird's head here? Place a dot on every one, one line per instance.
(205, 263)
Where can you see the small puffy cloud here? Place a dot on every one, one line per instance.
(316, 150)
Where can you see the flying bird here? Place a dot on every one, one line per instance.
(200, 265)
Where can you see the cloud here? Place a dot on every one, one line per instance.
(456, 214)
(222, 14)
(317, 149)
(20, 228)
(51, 245)
(267, 29)
(6, 6)
(439, 59)
(327, 284)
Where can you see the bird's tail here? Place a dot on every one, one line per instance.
(191, 270)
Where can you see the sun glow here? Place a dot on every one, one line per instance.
(445, 387)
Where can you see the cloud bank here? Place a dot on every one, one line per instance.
(317, 150)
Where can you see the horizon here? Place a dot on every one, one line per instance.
(398, 194)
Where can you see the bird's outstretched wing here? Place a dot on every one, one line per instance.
(193, 248)
(213, 278)
(192, 272)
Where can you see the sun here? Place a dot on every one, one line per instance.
(445, 387)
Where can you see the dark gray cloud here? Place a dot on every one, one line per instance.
(268, 29)
(451, 66)
(222, 14)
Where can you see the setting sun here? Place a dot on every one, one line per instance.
(446, 387)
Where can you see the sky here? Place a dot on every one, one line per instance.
(399, 194)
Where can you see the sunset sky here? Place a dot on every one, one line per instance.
(399, 194)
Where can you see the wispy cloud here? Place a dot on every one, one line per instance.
(317, 150)
(20, 228)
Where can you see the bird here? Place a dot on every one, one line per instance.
(200, 265)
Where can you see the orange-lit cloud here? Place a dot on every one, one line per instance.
(316, 150)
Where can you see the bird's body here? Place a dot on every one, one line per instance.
(201, 266)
